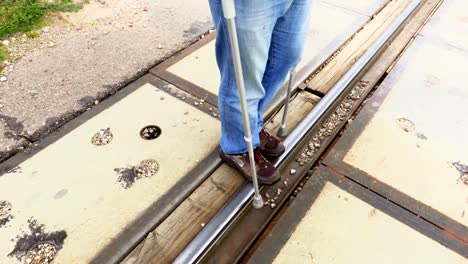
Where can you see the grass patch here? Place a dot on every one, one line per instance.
(26, 15)
(32, 34)
(3, 55)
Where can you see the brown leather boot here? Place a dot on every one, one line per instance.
(267, 174)
(270, 146)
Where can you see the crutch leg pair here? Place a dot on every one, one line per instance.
(230, 14)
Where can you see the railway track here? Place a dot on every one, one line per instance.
(232, 234)
(295, 140)
(193, 208)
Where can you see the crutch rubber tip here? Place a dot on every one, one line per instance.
(282, 132)
(257, 202)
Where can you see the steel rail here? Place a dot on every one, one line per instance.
(221, 221)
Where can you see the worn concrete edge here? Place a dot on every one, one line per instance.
(57, 122)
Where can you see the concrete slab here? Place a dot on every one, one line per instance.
(364, 7)
(335, 220)
(449, 24)
(417, 132)
(331, 26)
(88, 191)
(199, 68)
(408, 142)
(340, 228)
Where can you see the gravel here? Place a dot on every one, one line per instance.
(341, 112)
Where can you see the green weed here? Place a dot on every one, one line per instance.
(32, 34)
(26, 15)
(3, 54)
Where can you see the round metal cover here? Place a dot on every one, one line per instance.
(150, 132)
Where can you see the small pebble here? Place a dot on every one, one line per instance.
(202, 224)
(6, 42)
(293, 171)
(278, 191)
(96, 102)
(272, 205)
(3, 79)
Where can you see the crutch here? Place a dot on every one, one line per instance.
(230, 14)
(282, 128)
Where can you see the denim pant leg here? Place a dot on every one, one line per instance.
(287, 45)
(255, 22)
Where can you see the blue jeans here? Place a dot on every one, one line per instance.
(271, 37)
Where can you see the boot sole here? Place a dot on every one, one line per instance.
(271, 156)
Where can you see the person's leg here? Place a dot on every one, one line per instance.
(255, 22)
(287, 45)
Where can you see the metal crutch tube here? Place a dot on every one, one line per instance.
(282, 129)
(230, 14)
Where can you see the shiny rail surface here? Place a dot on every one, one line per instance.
(221, 221)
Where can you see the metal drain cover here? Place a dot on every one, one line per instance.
(150, 132)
